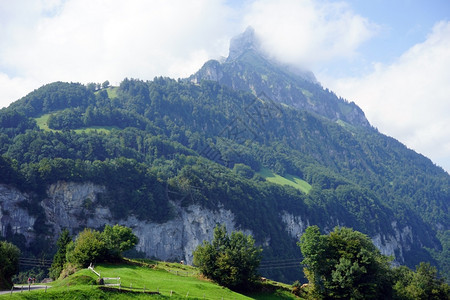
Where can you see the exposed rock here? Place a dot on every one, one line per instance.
(243, 42)
(14, 215)
(249, 68)
(178, 238)
(74, 206)
(388, 244)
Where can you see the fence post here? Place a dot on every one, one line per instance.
(21, 289)
(170, 293)
(144, 289)
(187, 295)
(12, 288)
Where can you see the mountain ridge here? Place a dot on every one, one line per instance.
(172, 149)
(249, 68)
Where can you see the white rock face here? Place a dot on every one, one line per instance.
(67, 206)
(178, 238)
(13, 215)
(74, 206)
(388, 244)
(295, 226)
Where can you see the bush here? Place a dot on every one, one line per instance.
(89, 247)
(9, 263)
(92, 246)
(231, 261)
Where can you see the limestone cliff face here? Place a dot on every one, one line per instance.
(178, 238)
(389, 244)
(14, 215)
(74, 206)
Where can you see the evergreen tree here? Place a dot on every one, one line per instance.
(60, 257)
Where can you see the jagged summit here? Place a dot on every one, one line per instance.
(250, 68)
(243, 42)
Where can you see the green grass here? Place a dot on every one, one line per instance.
(159, 279)
(155, 277)
(288, 179)
(112, 92)
(42, 122)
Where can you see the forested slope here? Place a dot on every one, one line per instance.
(164, 141)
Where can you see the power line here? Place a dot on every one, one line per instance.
(35, 262)
(280, 260)
(280, 263)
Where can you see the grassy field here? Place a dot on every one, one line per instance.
(165, 280)
(288, 179)
(112, 91)
(42, 122)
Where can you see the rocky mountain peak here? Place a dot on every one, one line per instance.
(243, 42)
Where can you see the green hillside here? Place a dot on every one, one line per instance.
(166, 280)
(42, 123)
(146, 139)
(287, 179)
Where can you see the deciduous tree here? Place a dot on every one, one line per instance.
(9, 263)
(230, 260)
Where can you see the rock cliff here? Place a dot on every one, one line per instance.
(391, 244)
(74, 206)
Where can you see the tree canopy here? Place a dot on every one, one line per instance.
(344, 264)
(230, 260)
(92, 246)
(9, 263)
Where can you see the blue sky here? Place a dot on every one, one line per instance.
(392, 58)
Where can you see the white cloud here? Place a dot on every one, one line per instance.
(95, 40)
(306, 32)
(410, 99)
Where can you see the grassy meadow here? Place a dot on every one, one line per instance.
(151, 280)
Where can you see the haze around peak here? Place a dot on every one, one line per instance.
(352, 47)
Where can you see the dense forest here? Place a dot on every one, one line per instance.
(149, 142)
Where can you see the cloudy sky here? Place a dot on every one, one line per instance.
(390, 57)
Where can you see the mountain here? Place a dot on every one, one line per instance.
(248, 68)
(172, 158)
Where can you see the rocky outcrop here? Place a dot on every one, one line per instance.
(249, 68)
(178, 238)
(75, 206)
(389, 244)
(13, 213)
